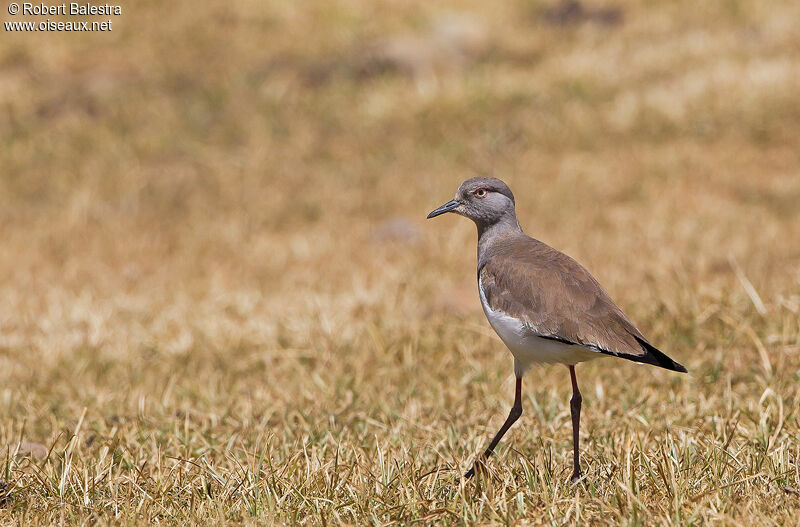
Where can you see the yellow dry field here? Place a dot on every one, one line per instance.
(221, 303)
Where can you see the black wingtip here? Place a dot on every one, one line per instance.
(656, 357)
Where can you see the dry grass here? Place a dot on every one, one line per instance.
(221, 303)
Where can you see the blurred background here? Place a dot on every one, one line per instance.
(217, 210)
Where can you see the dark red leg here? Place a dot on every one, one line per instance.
(575, 410)
(513, 415)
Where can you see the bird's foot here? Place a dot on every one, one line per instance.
(576, 476)
(478, 466)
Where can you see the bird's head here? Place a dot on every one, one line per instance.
(484, 200)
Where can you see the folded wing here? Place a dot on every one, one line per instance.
(558, 299)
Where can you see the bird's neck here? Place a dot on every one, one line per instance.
(488, 233)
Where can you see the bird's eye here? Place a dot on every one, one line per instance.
(480, 193)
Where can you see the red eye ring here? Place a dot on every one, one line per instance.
(480, 192)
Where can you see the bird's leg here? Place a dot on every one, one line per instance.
(513, 415)
(575, 410)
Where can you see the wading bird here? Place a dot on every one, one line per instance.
(544, 305)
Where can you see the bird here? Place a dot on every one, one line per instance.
(545, 306)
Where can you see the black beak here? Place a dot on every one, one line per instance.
(447, 207)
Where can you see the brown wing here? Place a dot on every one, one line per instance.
(558, 299)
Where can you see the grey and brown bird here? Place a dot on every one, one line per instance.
(544, 305)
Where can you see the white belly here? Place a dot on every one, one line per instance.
(527, 347)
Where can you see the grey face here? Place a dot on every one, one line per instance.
(483, 200)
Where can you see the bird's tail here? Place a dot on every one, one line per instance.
(656, 357)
